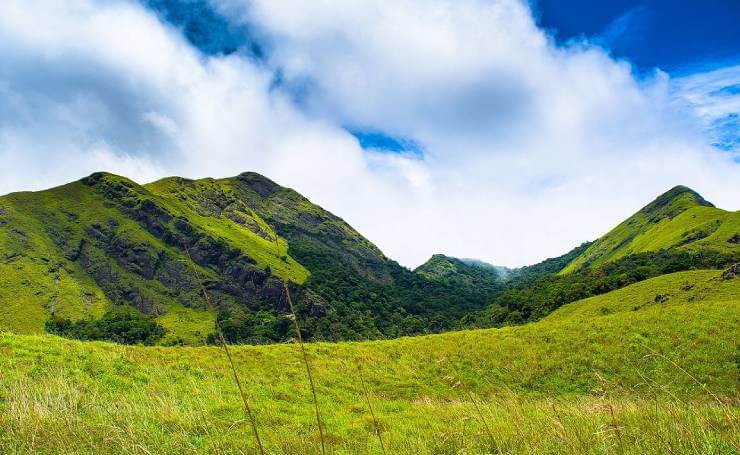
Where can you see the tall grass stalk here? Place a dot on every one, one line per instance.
(297, 326)
(615, 426)
(307, 364)
(561, 429)
(370, 407)
(482, 419)
(478, 410)
(247, 408)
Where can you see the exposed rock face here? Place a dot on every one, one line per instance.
(732, 272)
(259, 184)
(126, 269)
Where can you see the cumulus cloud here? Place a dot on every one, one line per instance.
(527, 148)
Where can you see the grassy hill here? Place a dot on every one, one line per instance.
(93, 249)
(85, 249)
(76, 250)
(487, 280)
(650, 368)
(679, 218)
(676, 232)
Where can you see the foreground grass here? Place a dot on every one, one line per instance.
(619, 373)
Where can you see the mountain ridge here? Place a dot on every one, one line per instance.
(679, 218)
(80, 249)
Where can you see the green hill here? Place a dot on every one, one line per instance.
(678, 231)
(485, 279)
(75, 259)
(679, 218)
(77, 250)
(82, 250)
(650, 368)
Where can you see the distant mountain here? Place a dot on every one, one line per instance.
(502, 271)
(471, 272)
(551, 265)
(678, 219)
(79, 251)
(478, 277)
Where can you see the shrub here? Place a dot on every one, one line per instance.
(124, 325)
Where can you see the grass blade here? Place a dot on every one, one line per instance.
(247, 408)
(370, 407)
(303, 352)
(307, 364)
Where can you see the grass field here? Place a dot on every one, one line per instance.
(651, 368)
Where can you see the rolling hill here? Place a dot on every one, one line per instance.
(678, 219)
(486, 279)
(78, 251)
(650, 368)
(102, 247)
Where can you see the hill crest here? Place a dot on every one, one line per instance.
(678, 218)
(82, 249)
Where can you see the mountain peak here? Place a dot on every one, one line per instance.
(259, 183)
(485, 281)
(111, 183)
(680, 197)
(441, 266)
(681, 190)
(678, 218)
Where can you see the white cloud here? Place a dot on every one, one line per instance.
(714, 99)
(528, 148)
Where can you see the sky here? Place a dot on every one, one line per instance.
(504, 130)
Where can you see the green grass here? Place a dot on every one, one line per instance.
(677, 219)
(623, 372)
(190, 326)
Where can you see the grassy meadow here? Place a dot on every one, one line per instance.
(651, 368)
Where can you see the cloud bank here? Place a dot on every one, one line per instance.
(523, 148)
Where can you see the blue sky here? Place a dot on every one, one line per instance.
(211, 32)
(681, 37)
(503, 130)
(674, 35)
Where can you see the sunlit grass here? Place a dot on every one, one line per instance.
(618, 373)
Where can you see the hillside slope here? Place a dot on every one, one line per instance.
(650, 368)
(77, 251)
(487, 280)
(679, 218)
